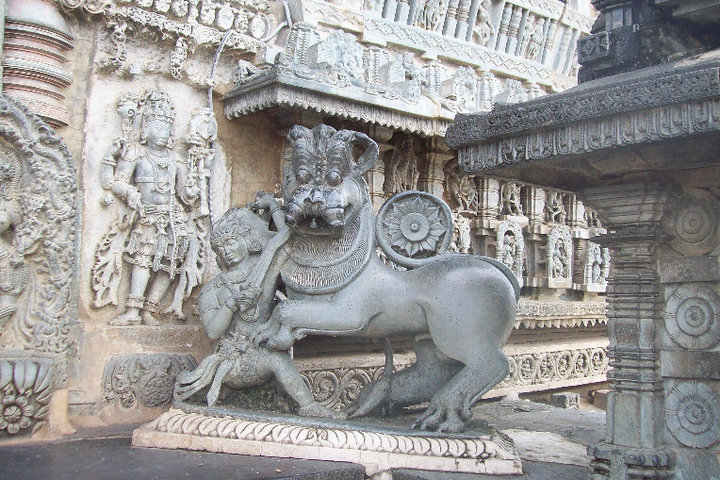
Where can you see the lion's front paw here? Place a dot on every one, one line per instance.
(282, 340)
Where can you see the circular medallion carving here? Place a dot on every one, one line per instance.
(694, 224)
(692, 414)
(257, 27)
(413, 227)
(692, 317)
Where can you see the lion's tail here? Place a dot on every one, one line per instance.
(506, 271)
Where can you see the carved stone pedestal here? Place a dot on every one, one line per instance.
(378, 449)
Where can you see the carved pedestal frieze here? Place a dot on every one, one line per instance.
(26, 385)
(379, 451)
(143, 379)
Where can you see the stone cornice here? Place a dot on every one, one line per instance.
(273, 89)
(673, 102)
(647, 89)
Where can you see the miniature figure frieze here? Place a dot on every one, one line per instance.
(460, 188)
(143, 379)
(244, 27)
(461, 89)
(510, 198)
(462, 236)
(560, 257)
(511, 247)
(337, 286)
(597, 267)
(163, 211)
(404, 76)
(401, 170)
(555, 211)
(233, 308)
(341, 55)
(39, 222)
(25, 392)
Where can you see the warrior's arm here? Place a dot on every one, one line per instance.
(217, 307)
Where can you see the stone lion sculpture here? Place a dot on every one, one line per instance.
(460, 309)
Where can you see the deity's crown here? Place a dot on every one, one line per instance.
(158, 106)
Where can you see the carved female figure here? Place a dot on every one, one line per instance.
(231, 308)
(13, 270)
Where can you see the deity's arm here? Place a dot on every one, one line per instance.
(187, 183)
(122, 185)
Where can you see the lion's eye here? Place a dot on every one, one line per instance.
(333, 178)
(303, 175)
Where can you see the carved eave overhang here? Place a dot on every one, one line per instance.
(274, 90)
(584, 136)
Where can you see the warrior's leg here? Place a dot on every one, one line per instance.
(287, 374)
(138, 283)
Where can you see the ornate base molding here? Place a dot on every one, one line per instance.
(377, 449)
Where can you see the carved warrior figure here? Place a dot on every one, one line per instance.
(555, 208)
(161, 233)
(461, 188)
(510, 198)
(233, 305)
(337, 285)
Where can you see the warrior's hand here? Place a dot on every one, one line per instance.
(263, 201)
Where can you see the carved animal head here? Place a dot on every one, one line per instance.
(323, 185)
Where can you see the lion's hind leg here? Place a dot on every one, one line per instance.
(450, 406)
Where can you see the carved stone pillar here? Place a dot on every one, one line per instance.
(488, 198)
(431, 174)
(635, 405)
(36, 43)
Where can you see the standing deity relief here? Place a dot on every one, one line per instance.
(159, 243)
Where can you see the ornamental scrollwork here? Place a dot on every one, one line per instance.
(143, 379)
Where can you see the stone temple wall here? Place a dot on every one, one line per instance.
(229, 78)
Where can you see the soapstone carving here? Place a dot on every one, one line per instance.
(161, 231)
(143, 378)
(511, 247)
(235, 305)
(555, 208)
(462, 239)
(13, 268)
(39, 225)
(560, 256)
(337, 286)
(483, 29)
(25, 396)
(461, 188)
(401, 170)
(597, 265)
(510, 197)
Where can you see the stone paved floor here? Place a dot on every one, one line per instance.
(551, 442)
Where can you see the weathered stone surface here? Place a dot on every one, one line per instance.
(379, 451)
